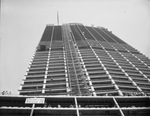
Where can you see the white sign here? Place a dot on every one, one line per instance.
(35, 100)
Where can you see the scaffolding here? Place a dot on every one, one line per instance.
(77, 80)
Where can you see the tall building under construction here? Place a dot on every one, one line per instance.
(82, 70)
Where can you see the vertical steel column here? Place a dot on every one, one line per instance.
(48, 59)
(122, 114)
(76, 106)
(32, 110)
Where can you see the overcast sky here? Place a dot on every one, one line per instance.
(23, 23)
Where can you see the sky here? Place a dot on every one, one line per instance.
(23, 21)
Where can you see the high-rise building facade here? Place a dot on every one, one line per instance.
(73, 59)
(82, 71)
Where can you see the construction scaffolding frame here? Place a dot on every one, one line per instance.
(77, 80)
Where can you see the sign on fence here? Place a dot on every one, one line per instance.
(35, 100)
